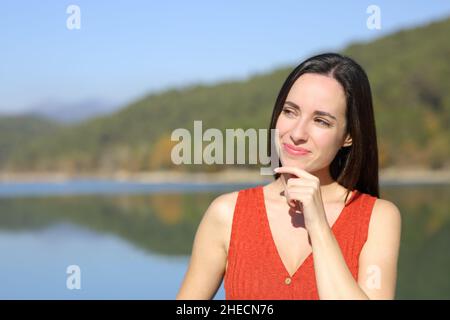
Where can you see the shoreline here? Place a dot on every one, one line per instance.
(387, 176)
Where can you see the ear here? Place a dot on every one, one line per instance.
(348, 141)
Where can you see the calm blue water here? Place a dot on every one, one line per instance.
(34, 266)
(34, 262)
(80, 187)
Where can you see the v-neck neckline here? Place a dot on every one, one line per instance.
(272, 240)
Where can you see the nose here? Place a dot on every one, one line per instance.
(299, 132)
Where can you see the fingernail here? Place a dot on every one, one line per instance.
(276, 169)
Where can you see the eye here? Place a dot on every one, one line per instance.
(288, 112)
(323, 122)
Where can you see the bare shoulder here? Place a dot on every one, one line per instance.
(222, 207)
(385, 209)
(220, 211)
(385, 216)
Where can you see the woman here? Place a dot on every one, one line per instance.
(319, 230)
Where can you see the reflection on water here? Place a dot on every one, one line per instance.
(34, 265)
(424, 255)
(137, 246)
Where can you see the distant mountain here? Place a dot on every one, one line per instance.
(410, 77)
(73, 112)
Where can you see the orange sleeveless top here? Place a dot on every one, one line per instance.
(255, 270)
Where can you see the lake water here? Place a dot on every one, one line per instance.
(132, 241)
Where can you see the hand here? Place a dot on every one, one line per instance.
(303, 190)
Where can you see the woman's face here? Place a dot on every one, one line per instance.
(312, 123)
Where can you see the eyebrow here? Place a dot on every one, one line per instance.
(317, 112)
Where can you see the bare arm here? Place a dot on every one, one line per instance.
(377, 261)
(209, 256)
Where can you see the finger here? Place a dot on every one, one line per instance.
(295, 171)
(293, 203)
(290, 201)
(295, 195)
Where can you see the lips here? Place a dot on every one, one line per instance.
(297, 151)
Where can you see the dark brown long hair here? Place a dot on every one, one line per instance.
(355, 166)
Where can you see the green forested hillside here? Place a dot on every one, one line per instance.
(17, 131)
(410, 77)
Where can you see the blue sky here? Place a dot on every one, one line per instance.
(127, 49)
